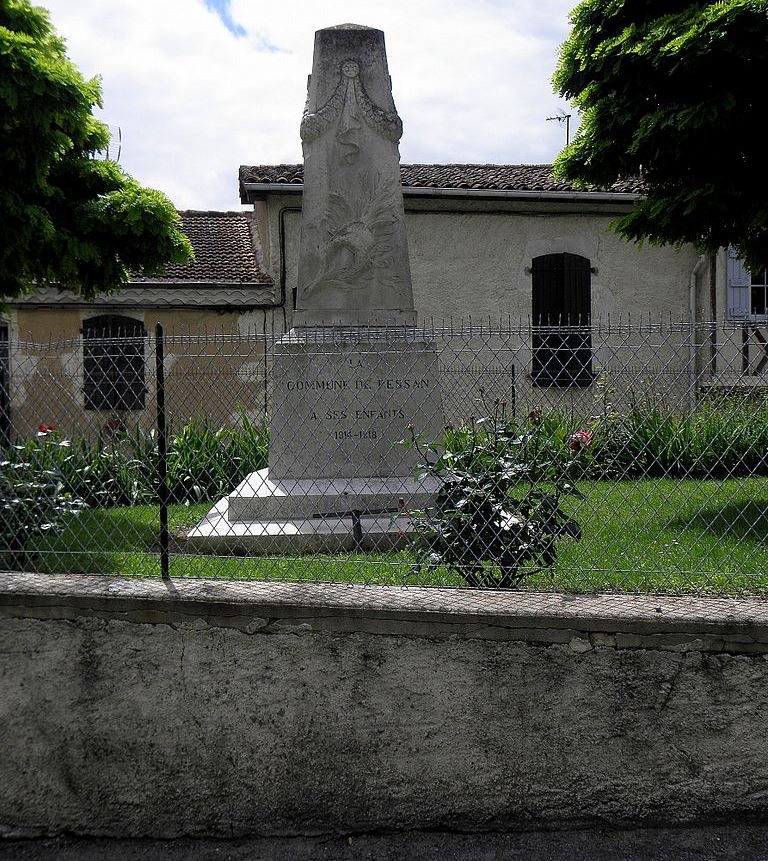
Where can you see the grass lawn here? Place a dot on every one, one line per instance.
(653, 535)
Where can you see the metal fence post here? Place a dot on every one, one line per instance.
(162, 453)
(5, 386)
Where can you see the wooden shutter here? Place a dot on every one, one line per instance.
(562, 299)
(739, 287)
(113, 363)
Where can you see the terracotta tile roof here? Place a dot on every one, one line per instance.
(506, 177)
(224, 252)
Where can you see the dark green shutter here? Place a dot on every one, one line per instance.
(561, 300)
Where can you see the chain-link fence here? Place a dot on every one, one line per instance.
(609, 457)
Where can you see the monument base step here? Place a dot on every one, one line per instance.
(217, 533)
(260, 497)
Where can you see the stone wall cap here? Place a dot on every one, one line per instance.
(647, 614)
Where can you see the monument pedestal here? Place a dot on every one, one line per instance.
(289, 517)
(342, 400)
(338, 477)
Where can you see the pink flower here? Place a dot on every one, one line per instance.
(581, 439)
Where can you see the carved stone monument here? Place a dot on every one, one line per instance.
(353, 260)
(354, 374)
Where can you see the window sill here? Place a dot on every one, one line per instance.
(580, 381)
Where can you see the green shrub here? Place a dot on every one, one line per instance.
(111, 472)
(498, 515)
(722, 437)
(205, 464)
(120, 468)
(34, 498)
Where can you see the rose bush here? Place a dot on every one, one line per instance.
(498, 515)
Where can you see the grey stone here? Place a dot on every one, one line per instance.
(353, 259)
(735, 841)
(340, 409)
(580, 645)
(261, 496)
(288, 535)
(476, 613)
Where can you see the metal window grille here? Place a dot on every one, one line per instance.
(113, 363)
(562, 310)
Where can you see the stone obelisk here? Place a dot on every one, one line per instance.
(353, 260)
(353, 375)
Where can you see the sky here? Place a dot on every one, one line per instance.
(199, 87)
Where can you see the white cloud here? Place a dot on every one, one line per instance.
(471, 81)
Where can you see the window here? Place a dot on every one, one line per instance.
(759, 293)
(113, 363)
(562, 313)
(747, 291)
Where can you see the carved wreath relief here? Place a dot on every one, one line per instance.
(356, 230)
(349, 102)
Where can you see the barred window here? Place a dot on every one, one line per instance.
(113, 363)
(562, 313)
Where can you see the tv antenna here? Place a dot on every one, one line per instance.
(562, 117)
(115, 146)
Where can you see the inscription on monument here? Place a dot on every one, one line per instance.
(345, 410)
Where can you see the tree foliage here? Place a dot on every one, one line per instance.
(674, 92)
(67, 218)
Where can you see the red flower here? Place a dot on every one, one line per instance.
(581, 439)
(46, 428)
(114, 426)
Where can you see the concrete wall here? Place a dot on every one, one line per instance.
(130, 708)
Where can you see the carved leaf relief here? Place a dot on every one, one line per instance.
(356, 237)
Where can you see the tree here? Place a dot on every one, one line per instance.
(67, 218)
(675, 93)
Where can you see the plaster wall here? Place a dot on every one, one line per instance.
(475, 263)
(131, 708)
(469, 260)
(214, 380)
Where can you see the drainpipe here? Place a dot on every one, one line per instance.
(692, 339)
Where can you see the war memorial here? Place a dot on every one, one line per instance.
(354, 376)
